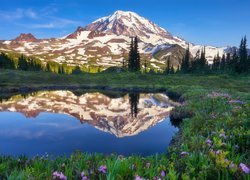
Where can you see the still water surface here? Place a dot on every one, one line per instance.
(60, 122)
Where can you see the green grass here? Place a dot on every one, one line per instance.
(210, 145)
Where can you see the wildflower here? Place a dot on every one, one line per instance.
(133, 167)
(209, 142)
(163, 173)
(138, 177)
(217, 152)
(62, 177)
(244, 168)
(121, 157)
(147, 165)
(59, 175)
(223, 135)
(223, 144)
(83, 176)
(236, 101)
(184, 153)
(63, 165)
(103, 169)
(236, 146)
(232, 166)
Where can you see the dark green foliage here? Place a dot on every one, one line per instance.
(172, 71)
(243, 60)
(7, 62)
(23, 63)
(185, 64)
(199, 65)
(134, 62)
(134, 100)
(223, 62)
(167, 70)
(216, 63)
(77, 70)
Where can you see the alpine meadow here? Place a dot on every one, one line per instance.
(98, 90)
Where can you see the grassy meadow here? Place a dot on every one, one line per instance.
(213, 141)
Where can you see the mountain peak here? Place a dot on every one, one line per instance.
(26, 37)
(127, 23)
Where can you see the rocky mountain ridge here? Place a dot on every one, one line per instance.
(105, 43)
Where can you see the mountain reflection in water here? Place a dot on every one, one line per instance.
(124, 115)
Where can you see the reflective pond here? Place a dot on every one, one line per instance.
(60, 122)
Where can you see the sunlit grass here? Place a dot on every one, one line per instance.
(212, 144)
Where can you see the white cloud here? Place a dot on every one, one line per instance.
(55, 23)
(18, 14)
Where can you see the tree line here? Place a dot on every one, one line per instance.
(236, 62)
(9, 61)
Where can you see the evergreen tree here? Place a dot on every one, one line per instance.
(22, 63)
(186, 61)
(234, 61)
(228, 61)
(172, 70)
(131, 56)
(216, 63)
(203, 60)
(77, 70)
(137, 55)
(223, 63)
(134, 63)
(167, 70)
(6, 62)
(243, 61)
(145, 65)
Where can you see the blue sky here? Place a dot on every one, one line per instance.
(207, 22)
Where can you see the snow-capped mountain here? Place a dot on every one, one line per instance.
(105, 42)
(108, 114)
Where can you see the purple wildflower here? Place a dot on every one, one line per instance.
(103, 169)
(138, 177)
(217, 152)
(236, 146)
(62, 177)
(82, 174)
(184, 153)
(232, 165)
(59, 175)
(244, 168)
(163, 173)
(236, 101)
(209, 142)
(223, 135)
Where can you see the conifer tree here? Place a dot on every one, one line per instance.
(167, 70)
(243, 61)
(203, 60)
(223, 63)
(134, 62)
(22, 63)
(186, 61)
(216, 63)
(131, 56)
(137, 55)
(172, 70)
